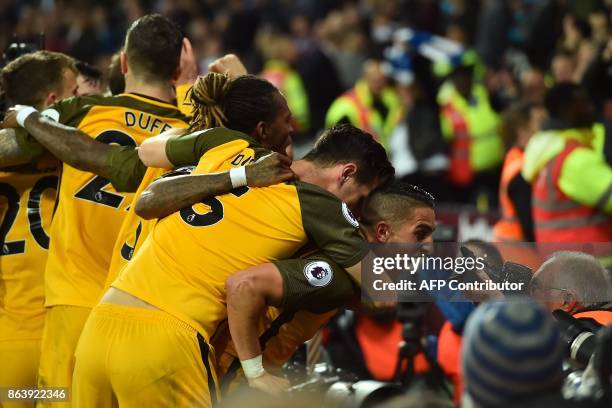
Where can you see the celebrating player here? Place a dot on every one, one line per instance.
(90, 210)
(38, 79)
(401, 213)
(169, 299)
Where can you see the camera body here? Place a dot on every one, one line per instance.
(589, 353)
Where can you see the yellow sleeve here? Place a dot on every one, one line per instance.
(183, 101)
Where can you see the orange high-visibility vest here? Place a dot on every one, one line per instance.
(363, 113)
(557, 218)
(379, 343)
(460, 169)
(508, 227)
(600, 316)
(449, 358)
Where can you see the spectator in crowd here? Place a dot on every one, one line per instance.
(576, 283)
(280, 55)
(371, 104)
(512, 356)
(319, 74)
(469, 124)
(519, 123)
(570, 178)
(563, 66)
(417, 149)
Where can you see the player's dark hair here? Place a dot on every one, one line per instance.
(345, 143)
(394, 203)
(239, 103)
(88, 71)
(411, 191)
(116, 80)
(153, 46)
(28, 79)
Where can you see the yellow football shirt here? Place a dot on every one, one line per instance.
(184, 152)
(182, 265)
(90, 210)
(26, 207)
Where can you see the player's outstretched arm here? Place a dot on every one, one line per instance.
(152, 151)
(249, 292)
(68, 144)
(170, 194)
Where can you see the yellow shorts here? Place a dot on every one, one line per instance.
(19, 367)
(63, 325)
(133, 357)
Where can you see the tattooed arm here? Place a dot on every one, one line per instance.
(11, 152)
(170, 194)
(70, 145)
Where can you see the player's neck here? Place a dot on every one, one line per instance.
(163, 92)
(307, 171)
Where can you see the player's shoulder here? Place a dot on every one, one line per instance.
(68, 109)
(219, 137)
(319, 204)
(222, 135)
(313, 191)
(79, 105)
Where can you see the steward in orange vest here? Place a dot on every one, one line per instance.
(508, 228)
(519, 123)
(572, 183)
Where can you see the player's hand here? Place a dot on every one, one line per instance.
(271, 169)
(270, 384)
(228, 64)
(10, 119)
(188, 66)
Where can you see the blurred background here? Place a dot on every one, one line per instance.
(383, 65)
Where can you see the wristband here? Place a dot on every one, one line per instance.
(23, 114)
(238, 177)
(253, 367)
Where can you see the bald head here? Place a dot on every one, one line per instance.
(572, 281)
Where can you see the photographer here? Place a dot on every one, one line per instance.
(576, 283)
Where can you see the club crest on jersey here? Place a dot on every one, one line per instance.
(318, 273)
(349, 216)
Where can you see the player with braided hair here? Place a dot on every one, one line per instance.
(229, 111)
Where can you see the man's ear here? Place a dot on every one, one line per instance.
(348, 171)
(123, 62)
(382, 231)
(570, 301)
(260, 131)
(50, 99)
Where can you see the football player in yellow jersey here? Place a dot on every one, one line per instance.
(251, 105)
(302, 292)
(174, 284)
(27, 197)
(90, 210)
